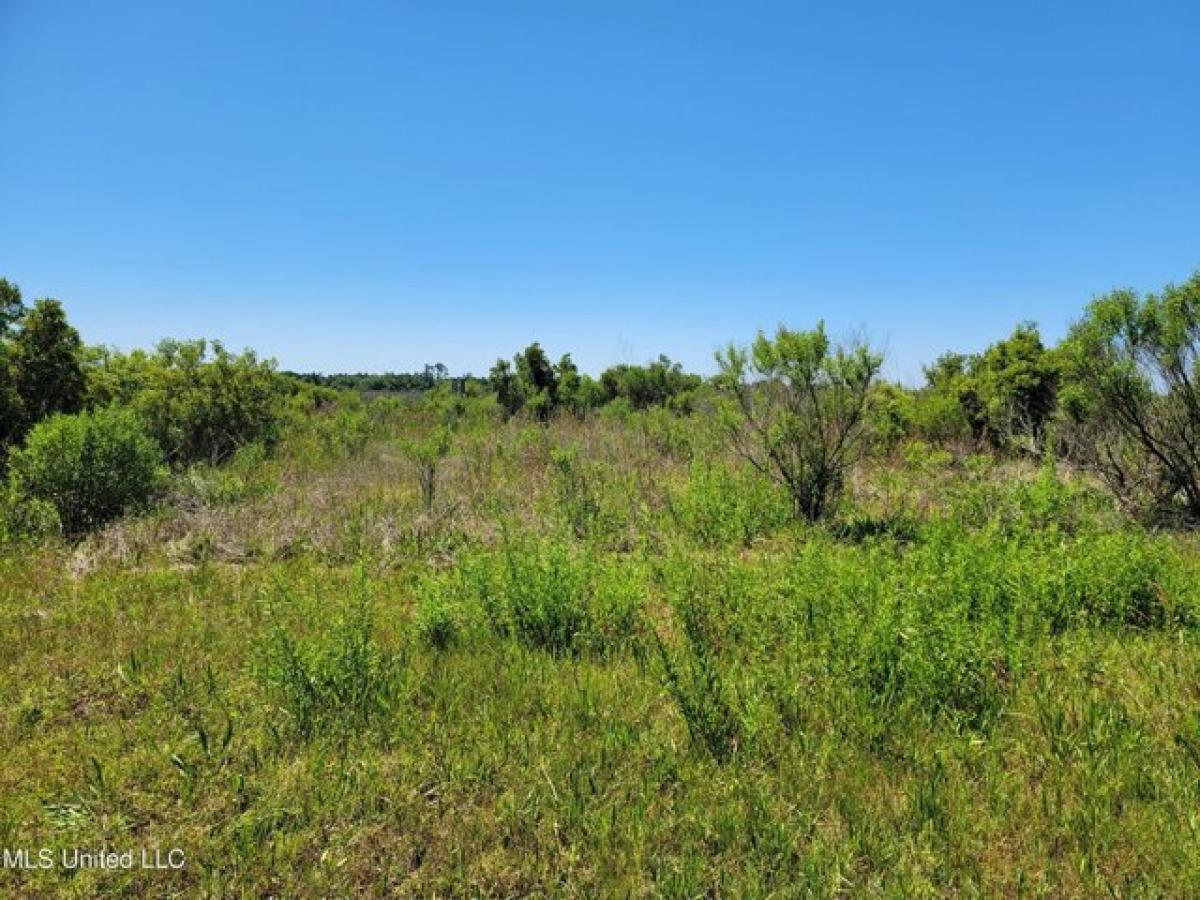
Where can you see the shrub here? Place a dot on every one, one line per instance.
(796, 410)
(1133, 366)
(440, 623)
(426, 455)
(547, 597)
(694, 676)
(720, 506)
(198, 401)
(92, 467)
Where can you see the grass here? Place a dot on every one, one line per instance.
(602, 662)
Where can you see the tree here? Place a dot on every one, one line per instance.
(199, 401)
(11, 306)
(1133, 370)
(504, 383)
(1017, 386)
(795, 408)
(531, 383)
(537, 380)
(571, 394)
(660, 383)
(47, 363)
(1005, 396)
(12, 413)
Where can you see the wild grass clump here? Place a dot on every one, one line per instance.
(546, 596)
(695, 677)
(333, 683)
(720, 505)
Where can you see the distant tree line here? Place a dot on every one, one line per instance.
(427, 379)
(532, 384)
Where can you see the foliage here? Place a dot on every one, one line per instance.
(46, 359)
(1004, 397)
(199, 401)
(696, 680)
(339, 680)
(426, 454)
(659, 383)
(12, 306)
(1134, 369)
(796, 411)
(92, 467)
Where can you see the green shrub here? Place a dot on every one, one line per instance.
(720, 506)
(548, 597)
(25, 518)
(573, 487)
(440, 623)
(92, 467)
(198, 401)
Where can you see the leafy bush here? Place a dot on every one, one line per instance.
(440, 623)
(720, 506)
(1133, 368)
(322, 424)
(198, 401)
(796, 409)
(574, 491)
(92, 467)
(547, 597)
(25, 518)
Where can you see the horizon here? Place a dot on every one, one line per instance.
(394, 187)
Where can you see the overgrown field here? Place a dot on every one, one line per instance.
(602, 657)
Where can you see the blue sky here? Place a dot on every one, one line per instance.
(373, 186)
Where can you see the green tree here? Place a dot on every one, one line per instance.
(12, 414)
(47, 363)
(660, 383)
(537, 380)
(504, 383)
(570, 389)
(11, 306)
(530, 383)
(199, 401)
(1133, 370)
(1017, 386)
(796, 408)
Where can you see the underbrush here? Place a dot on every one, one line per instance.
(336, 681)
(544, 595)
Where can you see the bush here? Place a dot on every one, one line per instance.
(543, 596)
(796, 409)
(694, 676)
(200, 402)
(1132, 397)
(91, 467)
(720, 506)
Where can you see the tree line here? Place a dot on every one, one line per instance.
(82, 427)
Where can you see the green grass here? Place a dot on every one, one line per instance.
(604, 663)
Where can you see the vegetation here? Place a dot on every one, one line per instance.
(91, 467)
(800, 411)
(792, 630)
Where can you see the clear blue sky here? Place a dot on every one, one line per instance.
(352, 185)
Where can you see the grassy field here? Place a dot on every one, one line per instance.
(600, 659)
